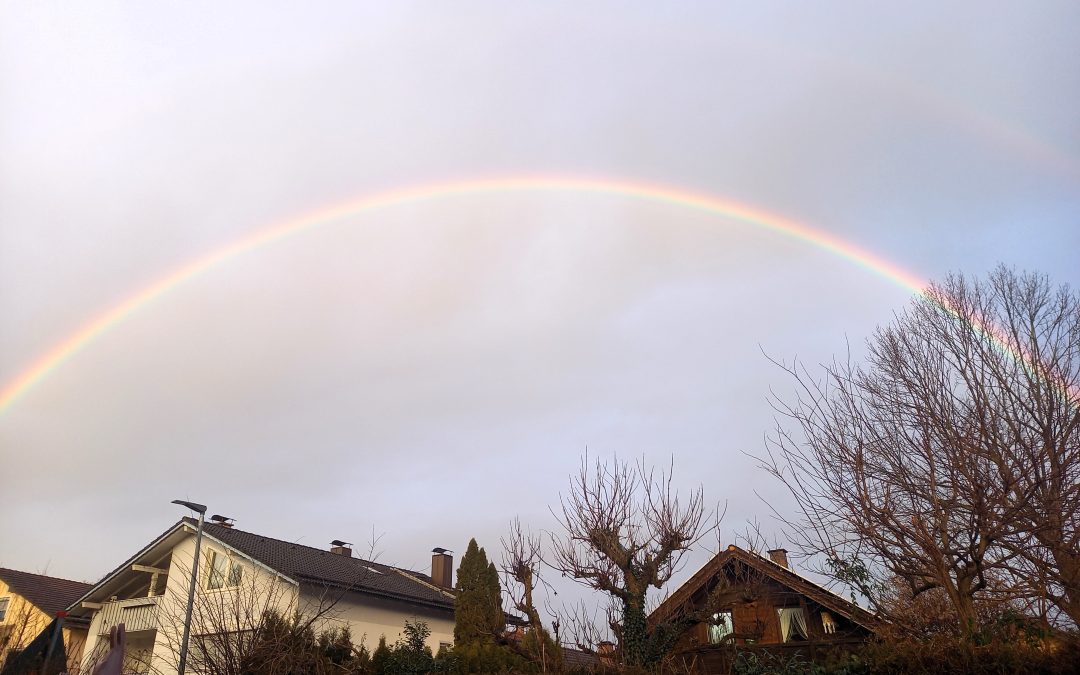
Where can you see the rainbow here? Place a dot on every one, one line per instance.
(654, 192)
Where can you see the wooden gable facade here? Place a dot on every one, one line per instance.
(742, 599)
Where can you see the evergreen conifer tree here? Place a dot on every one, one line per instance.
(381, 656)
(478, 607)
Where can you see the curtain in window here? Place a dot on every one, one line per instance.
(218, 569)
(235, 573)
(720, 627)
(223, 572)
(792, 624)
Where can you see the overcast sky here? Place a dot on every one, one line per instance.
(428, 371)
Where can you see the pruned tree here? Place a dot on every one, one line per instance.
(586, 628)
(522, 559)
(950, 457)
(625, 530)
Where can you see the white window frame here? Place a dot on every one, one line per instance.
(222, 575)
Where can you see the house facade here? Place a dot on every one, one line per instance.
(744, 600)
(28, 604)
(241, 577)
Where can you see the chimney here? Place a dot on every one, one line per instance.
(442, 568)
(339, 547)
(779, 556)
(606, 652)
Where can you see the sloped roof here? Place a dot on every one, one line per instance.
(299, 564)
(778, 573)
(49, 594)
(575, 658)
(320, 566)
(126, 565)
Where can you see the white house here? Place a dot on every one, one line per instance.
(243, 574)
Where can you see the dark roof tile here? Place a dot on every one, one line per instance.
(49, 594)
(318, 566)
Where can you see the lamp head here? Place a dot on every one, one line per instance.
(197, 508)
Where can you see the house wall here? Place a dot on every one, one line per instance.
(239, 609)
(24, 621)
(74, 643)
(95, 644)
(214, 610)
(753, 600)
(370, 618)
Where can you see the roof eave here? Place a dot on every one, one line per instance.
(389, 595)
(126, 564)
(183, 523)
(833, 601)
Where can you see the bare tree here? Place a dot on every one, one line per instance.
(521, 574)
(587, 628)
(1031, 388)
(21, 624)
(253, 620)
(951, 457)
(625, 529)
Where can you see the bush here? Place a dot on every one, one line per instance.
(410, 654)
(940, 655)
(948, 656)
(477, 657)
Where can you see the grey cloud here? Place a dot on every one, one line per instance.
(430, 370)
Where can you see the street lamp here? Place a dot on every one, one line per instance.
(201, 510)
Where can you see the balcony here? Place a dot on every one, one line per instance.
(136, 614)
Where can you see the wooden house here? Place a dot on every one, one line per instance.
(742, 600)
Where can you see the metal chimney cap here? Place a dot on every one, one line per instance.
(441, 550)
(338, 542)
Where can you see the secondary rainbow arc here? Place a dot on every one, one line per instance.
(655, 192)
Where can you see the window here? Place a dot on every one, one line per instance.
(720, 627)
(792, 624)
(3, 607)
(224, 573)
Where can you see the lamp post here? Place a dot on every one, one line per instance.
(201, 510)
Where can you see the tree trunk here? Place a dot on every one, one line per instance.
(634, 634)
(964, 602)
(1068, 565)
